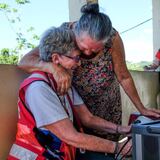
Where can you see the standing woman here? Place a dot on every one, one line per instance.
(96, 79)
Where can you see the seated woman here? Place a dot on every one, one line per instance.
(45, 124)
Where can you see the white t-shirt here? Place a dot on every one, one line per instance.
(46, 106)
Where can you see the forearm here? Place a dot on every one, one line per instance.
(67, 133)
(92, 143)
(94, 122)
(101, 124)
(33, 65)
(31, 62)
(122, 73)
(130, 89)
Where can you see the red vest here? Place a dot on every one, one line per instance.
(158, 55)
(26, 144)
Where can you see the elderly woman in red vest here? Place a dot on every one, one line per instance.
(45, 122)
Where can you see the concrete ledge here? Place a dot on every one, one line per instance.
(10, 79)
(148, 87)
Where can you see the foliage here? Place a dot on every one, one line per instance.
(23, 36)
(7, 58)
(22, 1)
(137, 66)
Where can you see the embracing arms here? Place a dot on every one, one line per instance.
(31, 62)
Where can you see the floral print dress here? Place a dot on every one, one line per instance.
(96, 83)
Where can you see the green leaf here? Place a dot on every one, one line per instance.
(14, 10)
(36, 37)
(5, 52)
(4, 6)
(14, 18)
(7, 58)
(22, 1)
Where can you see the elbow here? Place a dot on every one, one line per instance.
(23, 65)
(20, 64)
(88, 120)
(73, 140)
(123, 76)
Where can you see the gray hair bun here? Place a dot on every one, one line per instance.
(92, 8)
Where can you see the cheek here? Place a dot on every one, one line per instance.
(70, 64)
(80, 46)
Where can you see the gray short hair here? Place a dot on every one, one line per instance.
(56, 40)
(96, 24)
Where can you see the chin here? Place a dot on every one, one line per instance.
(88, 54)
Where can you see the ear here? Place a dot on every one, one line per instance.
(55, 58)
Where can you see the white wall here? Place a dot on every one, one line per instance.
(75, 7)
(156, 25)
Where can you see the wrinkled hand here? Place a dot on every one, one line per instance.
(124, 129)
(62, 77)
(127, 150)
(151, 112)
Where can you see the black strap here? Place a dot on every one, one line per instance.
(69, 100)
(117, 155)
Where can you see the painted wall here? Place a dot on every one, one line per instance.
(10, 79)
(156, 24)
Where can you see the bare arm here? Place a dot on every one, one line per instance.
(66, 132)
(125, 79)
(91, 121)
(31, 62)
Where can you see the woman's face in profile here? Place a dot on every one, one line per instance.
(71, 61)
(88, 46)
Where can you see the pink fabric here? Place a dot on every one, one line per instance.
(158, 55)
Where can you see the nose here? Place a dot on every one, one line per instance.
(88, 52)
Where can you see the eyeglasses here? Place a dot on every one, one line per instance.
(75, 58)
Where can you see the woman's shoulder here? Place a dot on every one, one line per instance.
(113, 34)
